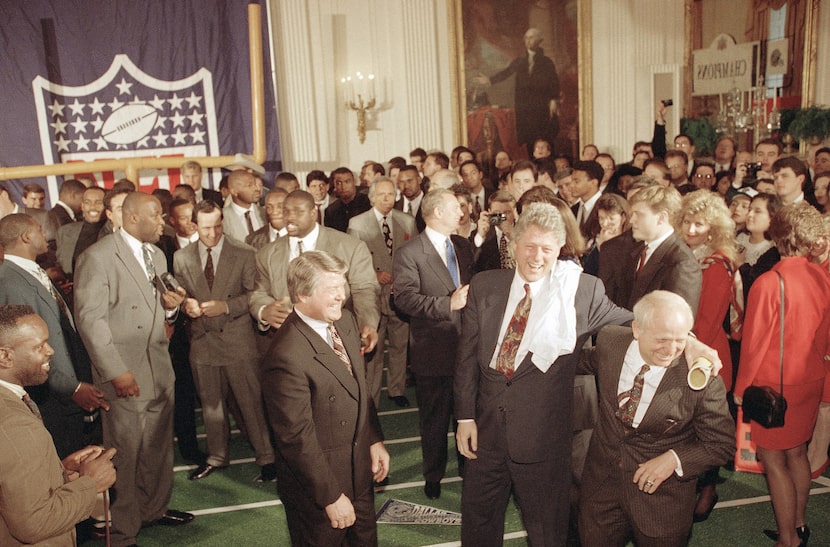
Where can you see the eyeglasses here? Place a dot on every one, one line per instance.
(701, 176)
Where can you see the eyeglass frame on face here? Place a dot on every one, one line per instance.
(702, 176)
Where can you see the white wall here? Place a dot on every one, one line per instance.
(404, 43)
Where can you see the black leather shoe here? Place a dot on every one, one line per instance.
(802, 531)
(700, 517)
(400, 400)
(268, 473)
(174, 518)
(203, 471)
(432, 490)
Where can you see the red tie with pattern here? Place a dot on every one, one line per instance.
(629, 408)
(339, 349)
(513, 336)
(642, 261)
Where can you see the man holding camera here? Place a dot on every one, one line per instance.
(492, 237)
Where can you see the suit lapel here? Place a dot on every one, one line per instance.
(437, 265)
(399, 233)
(193, 265)
(494, 308)
(37, 287)
(654, 262)
(328, 359)
(665, 398)
(226, 263)
(136, 270)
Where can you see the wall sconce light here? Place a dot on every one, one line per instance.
(360, 97)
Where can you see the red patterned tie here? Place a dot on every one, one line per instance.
(629, 408)
(513, 336)
(339, 349)
(642, 261)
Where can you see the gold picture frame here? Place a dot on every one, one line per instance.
(580, 52)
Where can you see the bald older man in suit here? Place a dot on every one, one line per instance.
(655, 434)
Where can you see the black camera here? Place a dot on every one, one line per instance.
(497, 218)
(667, 102)
(752, 169)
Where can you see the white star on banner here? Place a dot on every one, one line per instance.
(62, 144)
(97, 106)
(56, 108)
(178, 137)
(101, 143)
(160, 138)
(194, 101)
(175, 101)
(177, 119)
(79, 125)
(195, 119)
(124, 87)
(157, 103)
(77, 108)
(59, 126)
(142, 143)
(97, 124)
(82, 143)
(198, 135)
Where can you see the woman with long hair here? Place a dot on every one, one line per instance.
(612, 212)
(707, 228)
(783, 451)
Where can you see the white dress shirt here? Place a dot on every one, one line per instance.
(309, 243)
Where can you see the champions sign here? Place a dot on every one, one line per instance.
(725, 65)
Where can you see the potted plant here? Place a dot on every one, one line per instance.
(811, 124)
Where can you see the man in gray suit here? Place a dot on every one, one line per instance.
(384, 229)
(270, 304)
(121, 310)
(218, 275)
(243, 215)
(647, 453)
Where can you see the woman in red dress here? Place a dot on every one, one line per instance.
(708, 229)
(806, 295)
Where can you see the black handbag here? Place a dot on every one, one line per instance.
(763, 404)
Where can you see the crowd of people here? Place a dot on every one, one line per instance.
(546, 309)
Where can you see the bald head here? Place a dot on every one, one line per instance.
(142, 218)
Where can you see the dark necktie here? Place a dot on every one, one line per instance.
(32, 406)
(210, 274)
(319, 213)
(513, 336)
(642, 260)
(505, 262)
(477, 209)
(47, 283)
(339, 349)
(387, 235)
(148, 263)
(629, 408)
(299, 247)
(249, 222)
(452, 265)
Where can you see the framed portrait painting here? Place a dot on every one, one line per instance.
(523, 74)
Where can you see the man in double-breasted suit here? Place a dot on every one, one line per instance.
(654, 437)
(515, 426)
(327, 433)
(430, 275)
(43, 497)
(269, 302)
(385, 230)
(120, 311)
(218, 274)
(68, 398)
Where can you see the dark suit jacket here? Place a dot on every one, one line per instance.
(213, 195)
(532, 411)
(39, 507)
(487, 256)
(58, 216)
(338, 214)
(228, 338)
(260, 238)
(695, 424)
(420, 224)
(423, 287)
(672, 267)
(323, 418)
(615, 269)
(67, 240)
